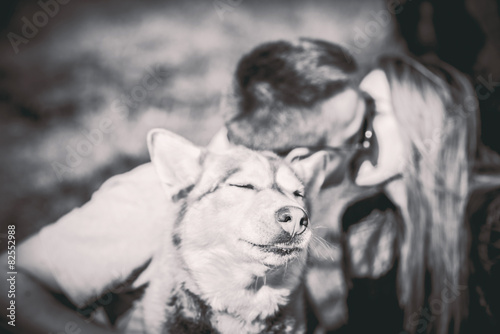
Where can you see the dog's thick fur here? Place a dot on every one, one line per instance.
(229, 264)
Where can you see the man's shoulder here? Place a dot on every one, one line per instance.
(140, 175)
(134, 197)
(140, 182)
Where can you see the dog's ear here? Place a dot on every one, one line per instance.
(311, 167)
(177, 160)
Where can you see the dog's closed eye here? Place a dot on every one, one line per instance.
(299, 193)
(246, 186)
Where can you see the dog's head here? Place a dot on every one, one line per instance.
(240, 206)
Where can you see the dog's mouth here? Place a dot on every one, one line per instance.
(278, 249)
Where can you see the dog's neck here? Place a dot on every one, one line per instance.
(271, 303)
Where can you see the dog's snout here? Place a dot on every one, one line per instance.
(292, 219)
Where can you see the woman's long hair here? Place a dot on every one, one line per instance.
(437, 111)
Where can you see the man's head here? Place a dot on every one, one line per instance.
(289, 94)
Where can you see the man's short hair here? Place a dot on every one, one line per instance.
(277, 84)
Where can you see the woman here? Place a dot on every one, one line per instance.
(423, 147)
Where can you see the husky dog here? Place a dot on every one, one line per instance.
(233, 258)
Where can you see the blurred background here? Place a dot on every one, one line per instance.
(82, 82)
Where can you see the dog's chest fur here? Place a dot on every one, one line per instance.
(187, 313)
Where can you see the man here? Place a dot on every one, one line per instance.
(285, 95)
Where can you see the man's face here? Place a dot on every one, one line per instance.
(343, 115)
(341, 118)
(334, 123)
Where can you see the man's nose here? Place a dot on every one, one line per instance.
(292, 220)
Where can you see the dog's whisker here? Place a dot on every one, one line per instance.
(323, 242)
(323, 249)
(319, 227)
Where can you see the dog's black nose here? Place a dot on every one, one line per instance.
(292, 219)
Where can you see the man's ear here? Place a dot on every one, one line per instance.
(177, 160)
(311, 167)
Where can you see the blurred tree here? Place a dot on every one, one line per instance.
(445, 28)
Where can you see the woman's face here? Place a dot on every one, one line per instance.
(387, 159)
